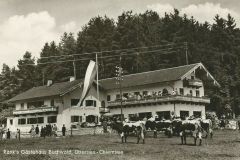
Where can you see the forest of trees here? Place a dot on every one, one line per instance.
(216, 45)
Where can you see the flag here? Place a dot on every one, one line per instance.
(88, 80)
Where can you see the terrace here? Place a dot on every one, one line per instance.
(160, 99)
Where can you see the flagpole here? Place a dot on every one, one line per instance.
(97, 76)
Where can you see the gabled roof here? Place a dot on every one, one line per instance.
(138, 79)
(201, 66)
(157, 76)
(55, 89)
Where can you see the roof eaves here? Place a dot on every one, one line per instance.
(149, 72)
(32, 98)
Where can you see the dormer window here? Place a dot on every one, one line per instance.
(74, 102)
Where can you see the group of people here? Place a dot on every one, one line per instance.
(49, 130)
(148, 94)
(7, 134)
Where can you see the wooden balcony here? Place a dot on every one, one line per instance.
(195, 82)
(160, 99)
(36, 110)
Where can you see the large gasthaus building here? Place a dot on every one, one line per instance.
(175, 91)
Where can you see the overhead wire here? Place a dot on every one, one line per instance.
(111, 56)
(109, 51)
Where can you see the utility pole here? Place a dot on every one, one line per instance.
(119, 72)
(186, 52)
(97, 76)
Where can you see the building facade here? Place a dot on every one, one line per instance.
(177, 91)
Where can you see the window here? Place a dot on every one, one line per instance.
(145, 115)
(197, 93)
(32, 121)
(145, 93)
(35, 104)
(74, 102)
(108, 98)
(74, 119)
(118, 116)
(133, 117)
(163, 115)
(52, 102)
(181, 91)
(165, 92)
(103, 104)
(192, 77)
(197, 114)
(190, 92)
(136, 93)
(125, 95)
(117, 96)
(80, 118)
(22, 106)
(184, 114)
(40, 120)
(91, 119)
(11, 122)
(90, 103)
(52, 119)
(21, 121)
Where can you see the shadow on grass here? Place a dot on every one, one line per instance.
(128, 142)
(184, 144)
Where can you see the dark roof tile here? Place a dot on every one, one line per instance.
(46, 91)
(163, 75)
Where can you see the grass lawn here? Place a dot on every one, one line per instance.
(224, 145)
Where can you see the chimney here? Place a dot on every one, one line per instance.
(49, 83)
(72, 79)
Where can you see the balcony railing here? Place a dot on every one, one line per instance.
(36, 110)
(103, 110)
(195, 82)
(160, 99)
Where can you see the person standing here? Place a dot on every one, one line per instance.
(8, 134)
(50, 129)
(54, 130)
(1, 134)
(104, 124)
(200, 132)
(37, 130)
(41, 132)
(18, 134)
(63, 130)
(47, 129)
(155, 132)
(32, 131)
(44, 132)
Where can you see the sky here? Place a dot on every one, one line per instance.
(25, 25)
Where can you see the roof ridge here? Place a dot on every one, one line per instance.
(153, 70)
